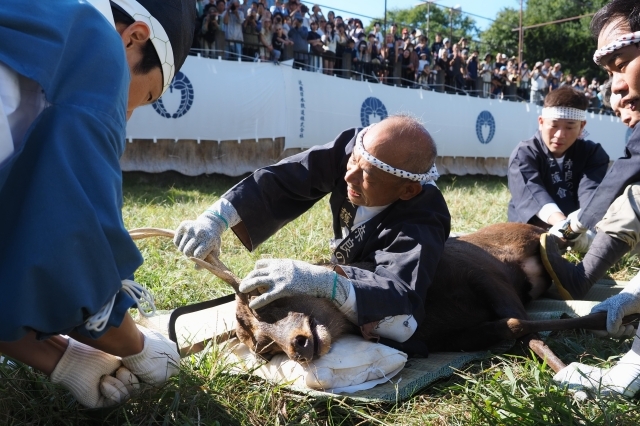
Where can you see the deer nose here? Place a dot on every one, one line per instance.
(303, 348)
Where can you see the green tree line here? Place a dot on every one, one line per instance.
(569, 43)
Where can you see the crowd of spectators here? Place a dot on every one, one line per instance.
(272, 30)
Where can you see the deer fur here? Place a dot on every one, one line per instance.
(477, 299)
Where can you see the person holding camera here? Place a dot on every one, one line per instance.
(538, 84)
(210, 27)
(233, 18)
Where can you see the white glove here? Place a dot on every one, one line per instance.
(198, 238)
(576, 376)
(625, 303)
(89, 375)
(583, 242)
(276, 278)
(158, 360)
(573, 222)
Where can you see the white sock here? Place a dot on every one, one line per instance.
(624, 377)
(158, 360)
(87, 373)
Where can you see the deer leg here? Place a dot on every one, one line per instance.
(543, 351)
(597, 321)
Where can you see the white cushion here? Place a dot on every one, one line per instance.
(352, 364)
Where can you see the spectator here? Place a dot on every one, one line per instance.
(279, 8)
(298, 36)
(501, 61)
(422, 62)
(377, 31)
(246, 6)
(279, 42)
(341, 45)
(405, 36)
(486, 72)
(568, 80)
(556, 71)
(357, 30)
(233, 19)
(209, 5)
(316, 13)
(373, 51)
(266, 41)
(315, 47)
(321, 24)
(446, 44)
(499, 82)
(437, 45)
(393, 30)
(463, 44)
(458, 69)
(546, 68)
(331, 17)
(250, 35)
(408, 69)
(472, 71)
(538, 85)
(425, 79)
(360, 58)
(330, 41)
(210, 27)
(525, 81)
(286, 24)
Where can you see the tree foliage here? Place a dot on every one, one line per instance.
(443, 20)
(569, 43)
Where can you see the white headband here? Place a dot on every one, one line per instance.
(430, 176)
(618, 43)
(564, 113)
(158, 37)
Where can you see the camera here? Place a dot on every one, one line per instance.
(233, 8)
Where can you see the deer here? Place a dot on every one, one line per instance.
(477, 299)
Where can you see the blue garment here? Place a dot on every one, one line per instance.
(64, 246)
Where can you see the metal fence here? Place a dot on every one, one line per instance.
(346, 66)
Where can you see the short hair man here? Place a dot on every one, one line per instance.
(556, 171)
(67, 271)
(387, 214)
(613, 210)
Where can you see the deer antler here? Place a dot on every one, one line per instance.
(211, 263)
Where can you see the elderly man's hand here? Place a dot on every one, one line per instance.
(277, 278)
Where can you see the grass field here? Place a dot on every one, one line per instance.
(511, 389)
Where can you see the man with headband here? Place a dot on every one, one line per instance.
(557, 170)
(390, 223)
(614, 209)
(71, 74)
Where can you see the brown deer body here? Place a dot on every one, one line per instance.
(477, 299)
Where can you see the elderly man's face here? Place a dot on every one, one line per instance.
(623, 65)
(367, 185)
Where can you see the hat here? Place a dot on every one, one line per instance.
(538, 64)
(423, 54)
(446, 40)
(488, 55)
(171, 24)
(465, 52)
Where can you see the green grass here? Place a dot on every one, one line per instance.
(511, 389)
